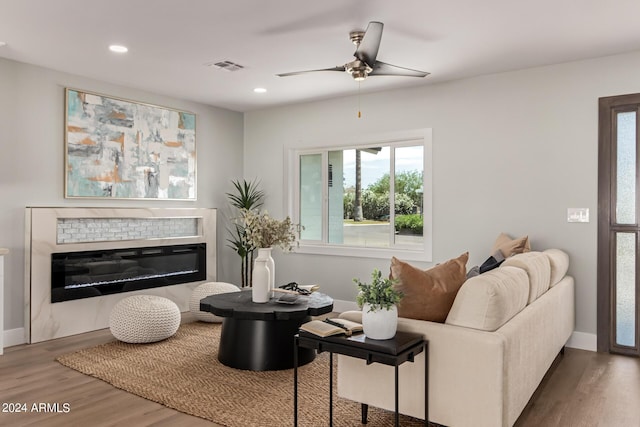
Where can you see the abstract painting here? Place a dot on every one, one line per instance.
(127, 150)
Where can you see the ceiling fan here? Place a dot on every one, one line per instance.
(365, 63)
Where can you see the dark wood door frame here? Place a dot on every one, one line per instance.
(608, 107)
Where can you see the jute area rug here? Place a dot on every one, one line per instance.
(183, 373)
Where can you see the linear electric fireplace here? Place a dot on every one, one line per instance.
(81, 262)
(76, 275)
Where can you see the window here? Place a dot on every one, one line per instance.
(370, 198)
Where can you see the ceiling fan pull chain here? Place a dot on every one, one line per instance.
(359, 112)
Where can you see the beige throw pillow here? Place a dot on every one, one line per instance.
(509, 247)
(428, 294)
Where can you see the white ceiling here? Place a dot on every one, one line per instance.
(170, 41)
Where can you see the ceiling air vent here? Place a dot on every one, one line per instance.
(226, 65)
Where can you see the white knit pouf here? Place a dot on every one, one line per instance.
(144, 319)
(204, 290)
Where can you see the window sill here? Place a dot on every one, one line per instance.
(404, 254)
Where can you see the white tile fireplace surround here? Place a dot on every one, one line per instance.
(55, 230)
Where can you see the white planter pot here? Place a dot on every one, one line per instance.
(379, 324)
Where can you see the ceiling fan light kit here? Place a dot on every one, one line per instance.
(366, 63)
(359, 70)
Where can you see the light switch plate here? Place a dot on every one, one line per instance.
(577, 214)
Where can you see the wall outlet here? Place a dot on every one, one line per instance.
(577, 214)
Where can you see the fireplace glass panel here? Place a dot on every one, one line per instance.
(86, 274)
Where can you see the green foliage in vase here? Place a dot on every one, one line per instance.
(379, 294)
(247, 196)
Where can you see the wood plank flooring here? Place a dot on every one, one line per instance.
(583, 389)
(29, 374)
(587, 389)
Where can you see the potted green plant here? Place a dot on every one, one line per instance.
(378, 301)
(247, 196)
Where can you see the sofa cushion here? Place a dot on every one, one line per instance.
(508, 246)
(488, 301)
(538, 268)
(559, 261)
(428, 294)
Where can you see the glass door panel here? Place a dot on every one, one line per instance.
(626, 168)
(625, 289)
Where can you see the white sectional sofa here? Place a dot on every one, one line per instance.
(503, 332)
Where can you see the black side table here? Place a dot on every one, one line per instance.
(393, 352)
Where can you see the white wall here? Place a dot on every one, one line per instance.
(511, 152)
(32, 162)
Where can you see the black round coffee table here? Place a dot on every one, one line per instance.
(259, 337)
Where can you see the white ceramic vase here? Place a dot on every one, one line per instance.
(260, 292)
(265, 253)
(379, 324)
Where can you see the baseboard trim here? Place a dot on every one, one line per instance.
(13, 337)
(579, 340)
(583, 341)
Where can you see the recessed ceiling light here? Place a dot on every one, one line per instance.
(259, 90)
(3, 44)
(118, 48)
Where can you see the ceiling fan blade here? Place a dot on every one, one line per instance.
(383, 69)
(295, 73)
(367, 51)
